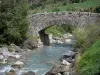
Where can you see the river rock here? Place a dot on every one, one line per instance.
(70, 60)
(30, 44)
(4, 61)
(64, 62)
(15, 56)
(14, 48)
(58, 74)
(69, 54)
(18, 64)
(68, 35)
(4, 51)
(67, 73)
(58, 69)
(11, 72)
(29, 73)
(1, 57)
(28, 50)
(68, 41)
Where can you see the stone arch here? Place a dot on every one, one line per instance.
(40, 21)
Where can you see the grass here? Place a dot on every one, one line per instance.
(67, 7)
(89, 63)
(55, 30)
(83, 5)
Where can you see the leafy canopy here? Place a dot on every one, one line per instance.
(13, 20)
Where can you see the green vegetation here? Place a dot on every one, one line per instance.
(50, 6)
(13, 21)
(86, 37)
(88, 42)
(89, 63)
(55, 30)
(59, 30)
(14, 26)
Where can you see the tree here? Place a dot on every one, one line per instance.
(13, 21)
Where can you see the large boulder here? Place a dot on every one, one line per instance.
(29, 73)
(14, 48)
(4, 52)
(18, 64)
(12, 72)
(70, 60)
(64, 62)
(69, 53)
(15, 56)
(4, 61)
(58, 69)
(30, 44)
(1, 57)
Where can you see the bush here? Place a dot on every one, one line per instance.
(86, 37)
(13, 21)
(81, 36)
(55, 30)
(97, 9)
(87, 41)
(55, 10)
(59, 30)
(89, 63)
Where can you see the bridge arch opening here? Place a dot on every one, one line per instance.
(55, 29)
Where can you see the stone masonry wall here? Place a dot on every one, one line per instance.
(41, 21)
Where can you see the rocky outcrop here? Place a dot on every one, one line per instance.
(69, 54)
(42, 21)
(12, 72)
(67, 66)
(30, 44)
(18, 64)
(58, 69)
(14, 48)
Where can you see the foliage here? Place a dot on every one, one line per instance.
(86, 37)
(89, 63)
(97, 9)
(88, 57)
(59, 30)
(55, 10)
(55, 30)
(62, 5)
(13, 20)
(68, 28)
(81, 36)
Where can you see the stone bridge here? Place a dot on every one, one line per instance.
(41, 21)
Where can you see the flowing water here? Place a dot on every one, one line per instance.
(43, 59)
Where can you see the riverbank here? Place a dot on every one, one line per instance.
(67, 65)
(21, 60)
(42, 59)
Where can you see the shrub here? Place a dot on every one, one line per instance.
(56, 30)
(55, 10)
(13, 21)
(89, 63)
(97, 9)
(81, 36)
(86, 37)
